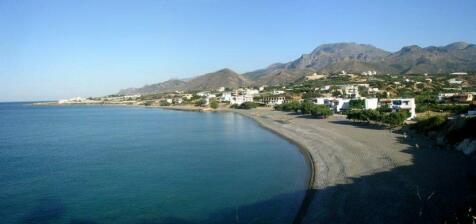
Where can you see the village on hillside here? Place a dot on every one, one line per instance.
(419, 94)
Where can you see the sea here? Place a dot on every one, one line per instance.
(118, 164)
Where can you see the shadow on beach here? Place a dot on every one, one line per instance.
(360, 124)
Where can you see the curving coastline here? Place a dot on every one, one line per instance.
(362, 173)
(365, 174)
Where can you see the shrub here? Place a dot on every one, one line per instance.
(164, 103)
(392, 118)
(148, 103)
(430, 124)
(201, 103)
(320, 111)
(357, 104)
(245, 105)
(214, 104)
(306, 107)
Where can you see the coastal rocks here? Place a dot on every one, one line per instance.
(467, 146)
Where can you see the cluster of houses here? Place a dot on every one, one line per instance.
(343, 104)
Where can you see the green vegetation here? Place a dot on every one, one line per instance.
(449, 131)
(288, 107)
(305, 107)
(357, 104)
(164, 103)
(389, 118)
(245, 105)
(321, 111)
(148, 103)
(214, 104)
(201, 103)
(430, 124)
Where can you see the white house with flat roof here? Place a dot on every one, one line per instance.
(273, 100)
(336, 104)
(238, 100)
(401, 104)
(371, 103)
(226, 96)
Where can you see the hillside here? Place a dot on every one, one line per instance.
(209, 81)
(333, 58)
(352, 57)
(214, 80)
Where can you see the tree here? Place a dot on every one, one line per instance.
(245, 105)
(201, 103)
(148, 103)
(357, 104)
(320, 111)
(214, 104)
(164, 103)
(306, 107)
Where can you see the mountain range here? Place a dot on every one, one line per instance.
(333, 58)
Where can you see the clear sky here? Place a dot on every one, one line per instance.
(61, 49)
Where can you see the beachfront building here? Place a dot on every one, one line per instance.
(177, 100)
(336, 104)
(73, 100)
(239, 99)
(226, 96)
(401, 104)
(371, 103)
(273, 100)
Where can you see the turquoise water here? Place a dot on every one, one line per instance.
(104, 164)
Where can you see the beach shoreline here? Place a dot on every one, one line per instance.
(363, 173)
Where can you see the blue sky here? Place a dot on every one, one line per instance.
(60, 49)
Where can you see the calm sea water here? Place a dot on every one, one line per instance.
(103, 164)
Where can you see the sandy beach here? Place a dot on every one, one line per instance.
(368, 174)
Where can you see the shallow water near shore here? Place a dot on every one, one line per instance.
(106, 164)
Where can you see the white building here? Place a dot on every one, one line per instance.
(178, 100)
(221, 89)
(401, 103)
(261, 88)
(336, 104)
(187, 96)
(372, 90)
(202, 94)
(226, 96)
(458, 73)
(278, 92)
(371, 103)
(251, 92)
(73, 100)
(455, 81)
(351, 91)
(314, 76)
(238, 100)
(273, 100)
